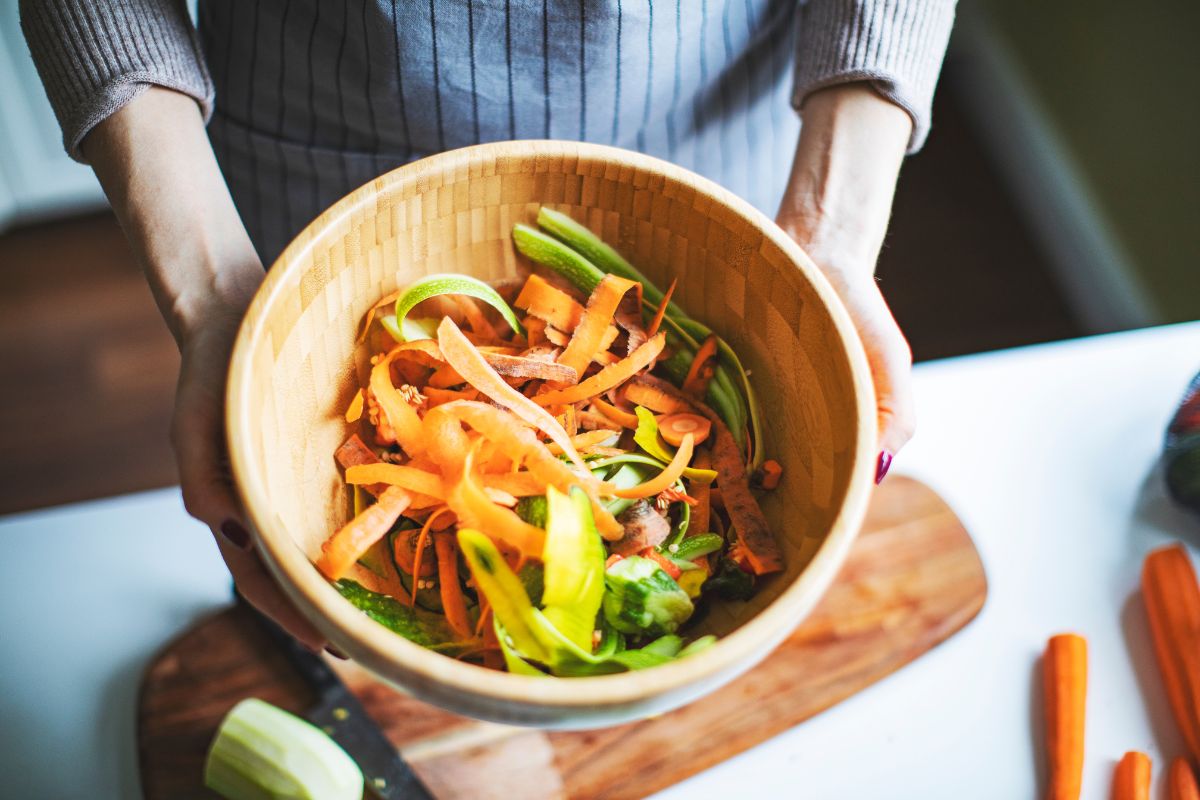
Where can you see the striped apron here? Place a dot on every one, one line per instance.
(316, 98)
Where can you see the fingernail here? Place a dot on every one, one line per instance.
(236, 534)
(881, 469)
(333, 651)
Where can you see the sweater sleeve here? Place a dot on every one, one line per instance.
(94, 57)
(897, 45)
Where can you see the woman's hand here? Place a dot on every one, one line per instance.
(157, 168)
(836, 207)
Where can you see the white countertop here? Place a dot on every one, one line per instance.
(1047, 453)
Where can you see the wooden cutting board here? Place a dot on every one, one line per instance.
(912, 580)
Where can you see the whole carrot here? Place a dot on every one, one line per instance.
(1172, 599)
(1064, 667)
(1181, 781)
(1131, 780)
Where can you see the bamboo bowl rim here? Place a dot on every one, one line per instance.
(381, 651)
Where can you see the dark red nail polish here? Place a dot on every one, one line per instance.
(333, 651)
(885, 462)
(236, 534)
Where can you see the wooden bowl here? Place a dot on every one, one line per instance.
(293, 372)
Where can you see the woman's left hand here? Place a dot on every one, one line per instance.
(836, 207)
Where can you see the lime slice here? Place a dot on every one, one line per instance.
(434, 285)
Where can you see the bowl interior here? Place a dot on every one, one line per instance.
(295, 367)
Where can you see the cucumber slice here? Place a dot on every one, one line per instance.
(428, 599)
(434, 285)
(550, 252)
(261, 751)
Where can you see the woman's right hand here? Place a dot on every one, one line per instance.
(156, 165)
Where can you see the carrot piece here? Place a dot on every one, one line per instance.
(642, 393)
(1131, 779)
(769, 474)
(622, 418)
(520, 367)
(1181, 781)
(453, 602)
(435, 397)
(355, 409)
(354, 538)
(608, 377)
(1172, 599)
(401, 416)
(702, 511)
(386, 300)
(667, 565)
(664, 479)
(758, 544)
(1064, 670)
(419, 550)
(464, 357)
(662, 309)
(585, 440)
(474, 317)
(476, 510)
(699, 373)
(520, 443)
(674, 427)
(549, 304)
(597, 318)
(412, 479)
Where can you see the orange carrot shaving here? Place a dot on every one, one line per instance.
(448, 443)
(668, 566)
(664, 479)
(1131, 779)
(519, 367)
(415, 480)
(463, 356)
(702, 491)
(522, 445)
(549, 304)
(1181, 781)
(476, 510)
(642, 393)
(662, 309)
(557, 337)
(622, 418)
(1064, 669)
(355, 409)
(422, 537)
(474, 317)
(1172, 599)
(453, 602)
(760, 547)
(608, 377)
(387, 300)
(701, 371)
(597, 318)
(435, 397)
(585, 440)
(355, 537)
(401, 416)
(516, 484)
(769, 474)
(673, 427)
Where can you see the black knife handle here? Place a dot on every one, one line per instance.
(312, 668)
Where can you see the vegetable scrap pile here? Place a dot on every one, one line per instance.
(550, 476)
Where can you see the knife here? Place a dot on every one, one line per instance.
(339, 713)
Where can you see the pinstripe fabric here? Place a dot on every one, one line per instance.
(315, 97)
(333, 96)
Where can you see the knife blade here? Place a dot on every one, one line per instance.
(339, 713)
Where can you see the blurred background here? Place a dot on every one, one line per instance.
(1057, 197)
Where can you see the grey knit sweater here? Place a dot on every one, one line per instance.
(309, 98)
